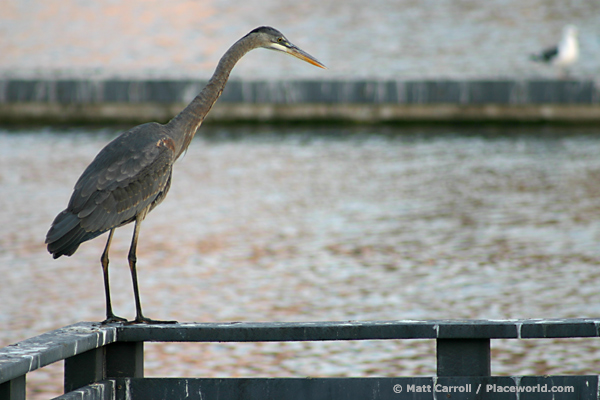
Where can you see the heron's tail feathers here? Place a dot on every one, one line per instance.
(66, 234)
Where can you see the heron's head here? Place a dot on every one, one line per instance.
(272, 39)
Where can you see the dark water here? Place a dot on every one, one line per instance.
(303, 224)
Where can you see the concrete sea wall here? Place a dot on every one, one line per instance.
(366, 101)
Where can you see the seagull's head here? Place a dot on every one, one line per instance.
(571, 31)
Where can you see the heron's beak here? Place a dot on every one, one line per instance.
(301, 54)
(298, 53)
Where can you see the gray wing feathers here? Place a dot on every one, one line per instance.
(126, 178)
(123, 189)
(107, 209)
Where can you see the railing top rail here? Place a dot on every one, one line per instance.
(34, 353)
(31, 354)
(361, 330)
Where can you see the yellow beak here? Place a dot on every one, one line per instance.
(301, 54)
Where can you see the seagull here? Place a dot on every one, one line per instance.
(565, 53)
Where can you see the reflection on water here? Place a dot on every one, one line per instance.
(300, 224)
(396, 39)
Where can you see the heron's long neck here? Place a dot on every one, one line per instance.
(183, 127)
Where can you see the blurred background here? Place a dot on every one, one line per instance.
(377, 39)
(306, 222)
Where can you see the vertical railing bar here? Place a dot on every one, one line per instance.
(124, 360)
(13, 389)
(83, 369)
(463, 357)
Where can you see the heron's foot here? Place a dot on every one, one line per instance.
(144, 320)
(113, 319)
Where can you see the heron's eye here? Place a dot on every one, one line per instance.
(280, 40)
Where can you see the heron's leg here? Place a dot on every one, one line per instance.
(139, 318)
(110, 317)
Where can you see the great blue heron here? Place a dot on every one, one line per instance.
(132, 174)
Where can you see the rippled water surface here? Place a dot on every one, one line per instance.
(304, 224)
(396, 39)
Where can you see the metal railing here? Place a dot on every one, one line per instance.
(106, 361)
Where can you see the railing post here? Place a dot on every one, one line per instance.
(13, 389)
(463, 357)
(83, 369)
(116, 360)
(124, 360)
